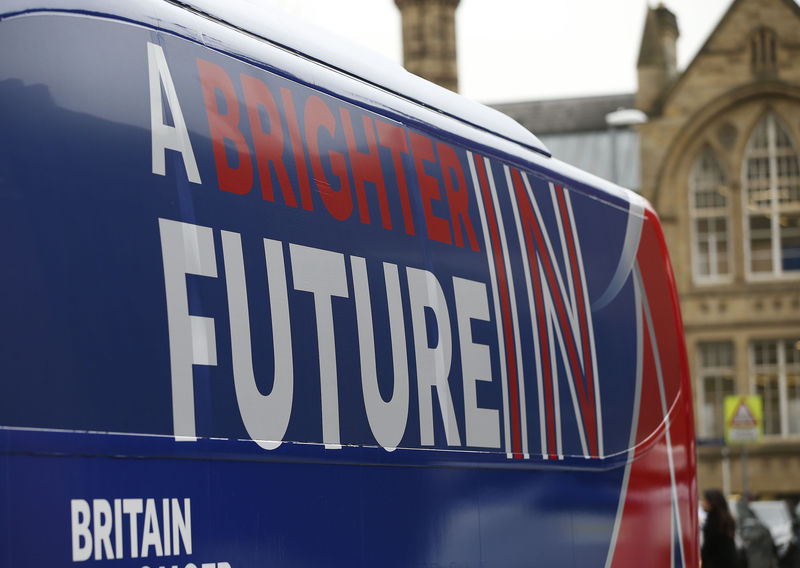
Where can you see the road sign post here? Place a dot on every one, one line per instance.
(744, 425)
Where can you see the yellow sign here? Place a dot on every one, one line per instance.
(744, 419)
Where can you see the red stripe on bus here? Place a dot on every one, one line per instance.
(547, 371)
(511, 362)
(581, 306)
(586, 413)
(530, 220)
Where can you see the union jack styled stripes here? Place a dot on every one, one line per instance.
(560, 315)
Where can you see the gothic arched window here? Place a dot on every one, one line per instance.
(771, 196)
(709, 210)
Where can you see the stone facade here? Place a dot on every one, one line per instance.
(429, 40)
(735, 244)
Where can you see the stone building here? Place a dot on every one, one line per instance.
(429, 40)
(720, 162)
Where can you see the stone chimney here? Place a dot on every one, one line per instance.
(657, 66)
(429, 40)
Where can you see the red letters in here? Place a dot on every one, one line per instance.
(297, 148)
(268, 145)
(422, 150)
(457, 195)
(224, 126)
(339, 202)
(394, 138)
(366, 167)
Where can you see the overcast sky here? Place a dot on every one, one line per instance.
(512, 50)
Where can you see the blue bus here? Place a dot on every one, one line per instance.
(267, 301)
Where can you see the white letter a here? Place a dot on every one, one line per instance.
(165, 136)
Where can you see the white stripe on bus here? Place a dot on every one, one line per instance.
(496, 301)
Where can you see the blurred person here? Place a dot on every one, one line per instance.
(718, 550)
(758, 546)
(792, 558)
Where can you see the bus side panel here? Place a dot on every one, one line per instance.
(292, 514)
(248, 320)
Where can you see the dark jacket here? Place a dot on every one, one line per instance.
(719, 550)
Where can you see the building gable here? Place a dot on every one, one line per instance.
(726, 60)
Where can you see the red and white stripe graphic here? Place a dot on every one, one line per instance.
(504, 303)
(559, 309)
(560, 317)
